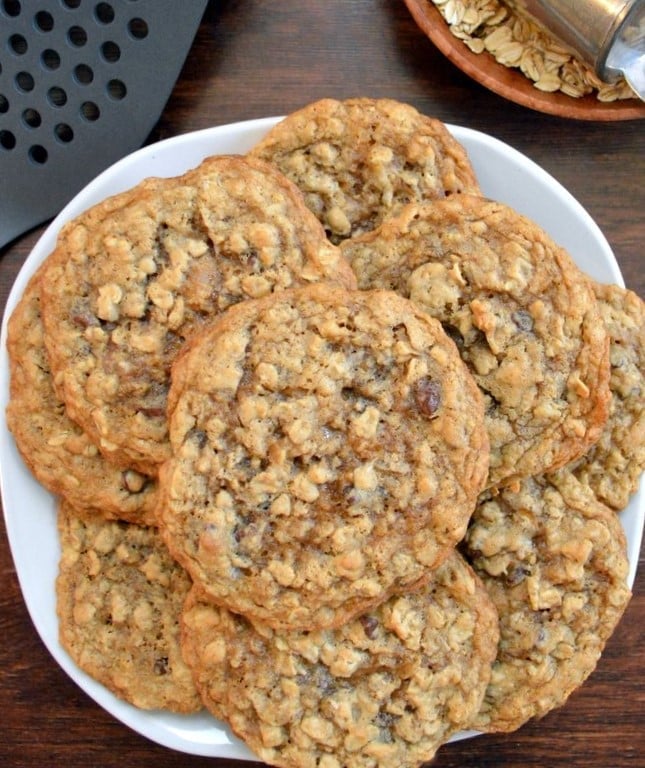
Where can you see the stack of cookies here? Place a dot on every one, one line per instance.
(339, 443)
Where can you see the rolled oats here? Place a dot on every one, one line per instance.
(518, 42)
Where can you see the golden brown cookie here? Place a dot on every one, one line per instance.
(521, 313)
(358, 161)
(613, 466)
(134, 276)
(119, 597)
(553, 560)
(56, 450)
(386, 689)
(328, 446)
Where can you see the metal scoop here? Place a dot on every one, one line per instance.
(81, 85)
(609, 35)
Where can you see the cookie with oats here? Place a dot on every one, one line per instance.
(613, 466)
(522, 314)
(328, 447)
(358, 161)
(386, 689)
(133, 277)
(553, 560)
(119, 595)
(55, 449)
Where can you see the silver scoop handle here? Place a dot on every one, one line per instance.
(627, 54)
(609, 35)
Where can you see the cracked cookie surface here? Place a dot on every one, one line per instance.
(328, 446)
(553, 560)
(134, 276)
(386, 689)
(357, 161)
(521, 313)
(612, 467)
(119, 595)
(57, 451)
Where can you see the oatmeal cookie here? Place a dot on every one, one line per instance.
(134, 276)
(328, 446)
(521, 313)
(357, 161)
(613, 466)
(386, 689)
(553, 559)
(119, 598)
(55, 449)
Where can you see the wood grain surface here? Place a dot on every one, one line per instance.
(255, 58)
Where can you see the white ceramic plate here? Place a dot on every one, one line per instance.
(504, 175)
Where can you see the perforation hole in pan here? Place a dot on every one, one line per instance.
(60, 70)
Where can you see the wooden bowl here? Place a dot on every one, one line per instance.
(511, 83)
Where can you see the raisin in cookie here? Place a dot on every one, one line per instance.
(56, 450)
(613, 466)
(386, 689)
(328, 446)
(359, 160)
(134, 276)
(553, 560)
(521, 313)
(119, 598)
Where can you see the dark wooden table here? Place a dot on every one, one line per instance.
(254, 58)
